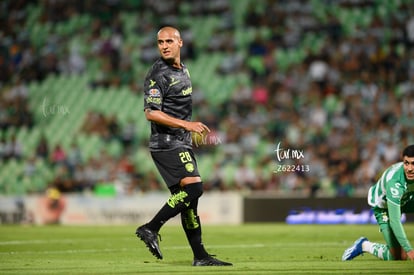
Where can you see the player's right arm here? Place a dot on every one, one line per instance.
(394, 212)
(394, 194)
(160, 117)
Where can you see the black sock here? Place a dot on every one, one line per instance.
(192, 227)
(178, 202)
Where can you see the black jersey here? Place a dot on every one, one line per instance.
(168, 89)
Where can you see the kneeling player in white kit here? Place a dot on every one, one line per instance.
(391, 196)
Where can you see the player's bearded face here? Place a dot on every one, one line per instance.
(409, 167)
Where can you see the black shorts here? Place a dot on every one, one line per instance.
(175, 165)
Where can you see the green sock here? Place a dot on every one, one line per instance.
(381, 251)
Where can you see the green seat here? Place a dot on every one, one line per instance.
(114, 148)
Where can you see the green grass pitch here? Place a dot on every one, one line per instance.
(252, 248)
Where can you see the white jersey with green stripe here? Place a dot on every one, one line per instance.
(393, 192)
(392, 187)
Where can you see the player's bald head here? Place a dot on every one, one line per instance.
(171, 31)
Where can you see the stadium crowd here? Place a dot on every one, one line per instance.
(347, 104)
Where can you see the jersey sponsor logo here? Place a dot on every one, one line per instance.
(177, 198)
(173, 81)
(395, 190)
(154, 97)
(154, 100)
(188, 91)
(190, 219)
(154, 93)
(152, 83)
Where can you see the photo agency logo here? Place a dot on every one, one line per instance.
(206, 139)
(52, 109)
(289, 160)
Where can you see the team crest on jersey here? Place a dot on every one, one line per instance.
(154, 93)
(189, 167)
(385, 217)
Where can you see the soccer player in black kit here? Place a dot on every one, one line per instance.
(168, 106)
